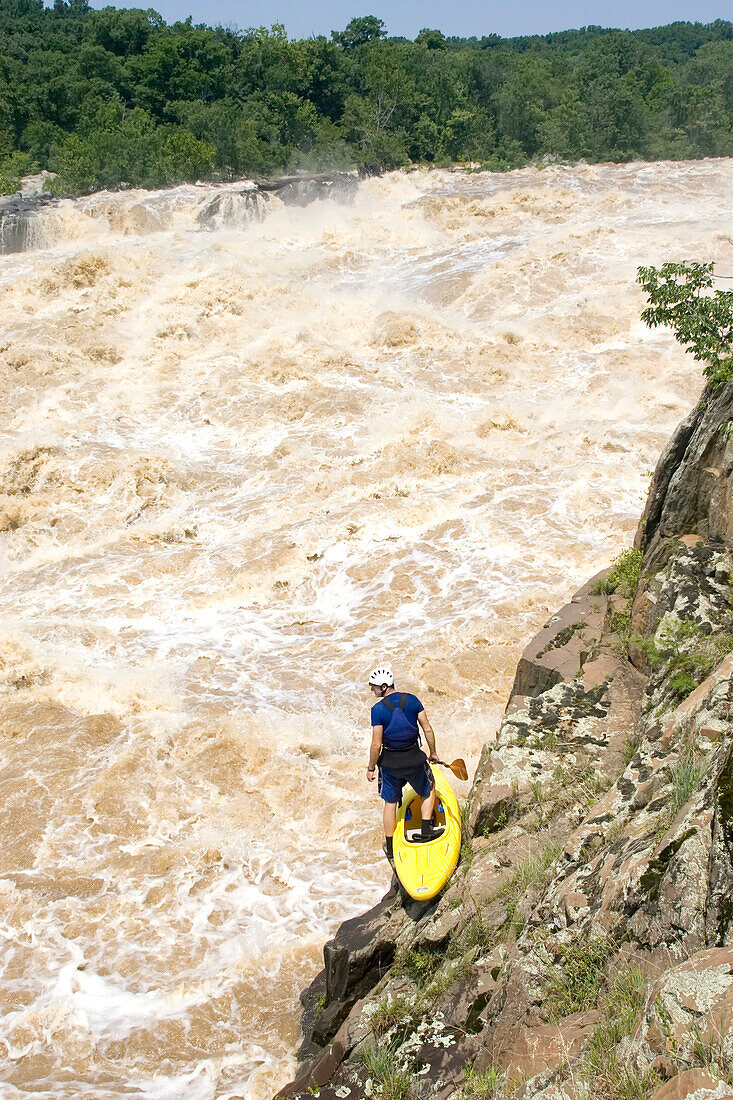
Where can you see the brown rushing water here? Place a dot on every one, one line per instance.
(239, 468)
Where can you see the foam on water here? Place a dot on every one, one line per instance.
(240, 466)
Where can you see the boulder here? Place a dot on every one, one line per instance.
(234, 209)
(359, 955)
(690, 490)
(337, 186)
(20, 224)
(690, 1008)
(694, 1084)
(536, 1049)
(558, 652)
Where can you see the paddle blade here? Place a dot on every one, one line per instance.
(458, 767)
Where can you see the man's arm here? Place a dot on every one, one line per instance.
(429, 735)
(374, 751)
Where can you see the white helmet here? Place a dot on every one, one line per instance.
(382, 675)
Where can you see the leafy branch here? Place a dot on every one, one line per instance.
(681, 296)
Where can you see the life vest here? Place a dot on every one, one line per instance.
(398, 734)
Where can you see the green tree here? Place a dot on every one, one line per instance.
(523, 99)
(267, 62)
(375, 121)
(469, 135)
(180, 64)
(325, 76)
(123, 32)
(136, 93)
(681, 295)
(564, 131)
(425, 140)
(127, 147)
(431, 39)
(184, 157)
(360, 32)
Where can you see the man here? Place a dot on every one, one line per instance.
(396, 749)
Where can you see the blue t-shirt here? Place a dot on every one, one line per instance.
(404, 721)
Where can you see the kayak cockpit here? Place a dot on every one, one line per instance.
(413, 818)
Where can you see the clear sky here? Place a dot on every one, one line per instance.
(460, 17)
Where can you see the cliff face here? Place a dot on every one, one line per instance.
(585, 943)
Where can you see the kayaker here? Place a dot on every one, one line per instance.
(396, 749)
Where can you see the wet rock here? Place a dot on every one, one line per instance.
(338, 187)
(19, 223)
(33, 186)
(234, 209)
(355, 960)
(322, 1068)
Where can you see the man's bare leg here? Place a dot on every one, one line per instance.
(428, 805)
(389, 816)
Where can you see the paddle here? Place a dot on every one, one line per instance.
(458, 767)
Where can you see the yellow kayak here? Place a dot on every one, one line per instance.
(424, 869)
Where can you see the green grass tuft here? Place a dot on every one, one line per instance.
(418, 965)
(685, 777)
(390, 1012)
(381, 1064)
(574, 980)
(621, 1006)
(481, 1086)
(683, 649)
(528, 872)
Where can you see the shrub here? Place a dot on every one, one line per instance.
(129, 147)
(686, 652)
(624, 575)
(12, 168)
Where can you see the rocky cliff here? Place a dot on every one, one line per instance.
(585, 943)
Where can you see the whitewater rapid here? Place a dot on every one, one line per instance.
(240, 466)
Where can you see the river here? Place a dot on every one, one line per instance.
(240, 466)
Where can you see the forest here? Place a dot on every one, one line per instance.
(116, 97)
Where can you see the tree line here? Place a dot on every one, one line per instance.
(118, 97)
